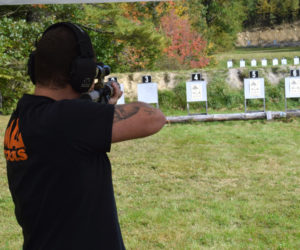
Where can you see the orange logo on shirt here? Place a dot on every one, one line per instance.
(14, 148)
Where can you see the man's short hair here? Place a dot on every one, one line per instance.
(55, 52)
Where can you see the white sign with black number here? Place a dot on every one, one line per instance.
(147, 93)
(122, 98)
(295, 73)
(196, 91)
(196, 77)
(146, 79)
(254, 74)
(114, 79)
(254, 88)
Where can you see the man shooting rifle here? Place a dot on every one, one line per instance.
(56, 143)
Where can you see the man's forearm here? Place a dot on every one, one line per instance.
(136, 120)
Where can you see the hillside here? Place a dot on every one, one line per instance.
(281, 35)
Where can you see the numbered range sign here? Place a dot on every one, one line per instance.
(147, 91)
(254, 88)
(115, 79)
(196, 77)
(253, 74)
(295, 72)
(146, 79)
(296, 60)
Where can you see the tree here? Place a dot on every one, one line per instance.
(118, 41)
(186, 45)
(126, 44)
(219, 21)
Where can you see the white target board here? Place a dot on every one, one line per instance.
(296, 61)
(147, 92)
(196, 91)
(229, 64)
(122, 98)
(283, 61)
(292, 87)
(254, 88)
(253, 63)
(242, 63)
(275, 62)
(264, 62)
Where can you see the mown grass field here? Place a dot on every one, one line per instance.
(231, 185)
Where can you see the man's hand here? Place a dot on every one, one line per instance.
(117, 93)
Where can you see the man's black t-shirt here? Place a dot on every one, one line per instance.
(60, 176)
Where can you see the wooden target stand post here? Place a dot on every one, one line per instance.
(292, 87)
(196, 91)
(147, 91)
(122, 98)
(254, 88)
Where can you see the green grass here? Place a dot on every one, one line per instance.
(230, 185)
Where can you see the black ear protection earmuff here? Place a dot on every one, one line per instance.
(83, 68)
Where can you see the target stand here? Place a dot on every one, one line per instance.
(196, 91)
(292, 88)
(147, 91)
(254, 88)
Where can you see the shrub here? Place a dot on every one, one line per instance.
(220, 95)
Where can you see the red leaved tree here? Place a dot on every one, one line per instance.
(187, 46)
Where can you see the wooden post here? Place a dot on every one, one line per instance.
(232, 117)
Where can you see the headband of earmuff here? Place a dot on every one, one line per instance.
(83, 68)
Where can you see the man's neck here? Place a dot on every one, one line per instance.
(56, 93)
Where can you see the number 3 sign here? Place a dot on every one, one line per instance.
(146, 79)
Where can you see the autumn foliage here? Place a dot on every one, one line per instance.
(186, 45)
